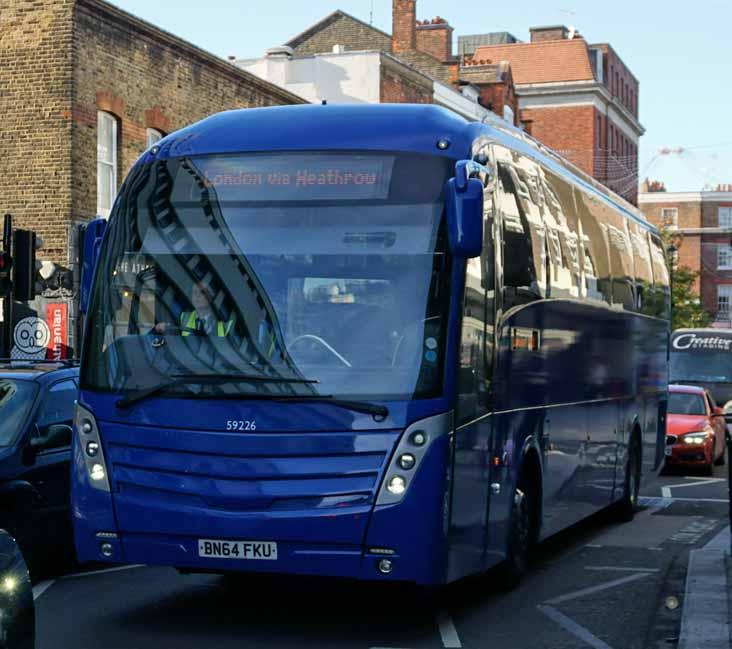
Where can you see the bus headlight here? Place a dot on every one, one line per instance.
(91, 445)
(413, 446)
(397, 485)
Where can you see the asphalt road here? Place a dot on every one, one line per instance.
(600, 585)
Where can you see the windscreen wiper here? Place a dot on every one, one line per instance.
(357, 406)
(185, 379)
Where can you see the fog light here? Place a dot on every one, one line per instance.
(106, 549)
(86, 426)
(385, 566)
(418, 438)
(92, 448)
(97, 472)
(407, 461)
(397, 485)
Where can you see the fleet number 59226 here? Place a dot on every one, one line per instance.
(241, 424)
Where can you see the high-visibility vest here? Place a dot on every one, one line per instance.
(188, 324)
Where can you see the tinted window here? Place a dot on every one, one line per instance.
(594, 249)
(643, 268)
(520, 273)
(59, 405)
(681, 403)
(16, 399)
(560, 219)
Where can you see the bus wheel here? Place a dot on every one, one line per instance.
(521, 536)
(627, 506)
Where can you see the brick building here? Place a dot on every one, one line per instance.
(423, 45)
(85, 88)
(579, 99)
(703, 221)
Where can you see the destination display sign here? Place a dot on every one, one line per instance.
(702, 341)
(287, 177)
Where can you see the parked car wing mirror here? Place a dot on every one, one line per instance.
(719, 411)
(55, 436)
(17, 623)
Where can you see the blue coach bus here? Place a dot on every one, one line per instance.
(376, 342)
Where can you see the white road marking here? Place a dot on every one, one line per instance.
(75, 575)
(596, 589)
(41, 587)
(448, 632)
(593, 545)
(666, 491)
(655, 502)
(621, 569)
(568, 624)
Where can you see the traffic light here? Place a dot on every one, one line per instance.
(24, 265)
(6, 263)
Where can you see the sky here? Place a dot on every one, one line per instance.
(681, 52)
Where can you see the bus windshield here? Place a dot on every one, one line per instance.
(703, 366)
(306, 274)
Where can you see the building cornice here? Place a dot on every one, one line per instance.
(586, 92)
(126, 19)
(684, 197)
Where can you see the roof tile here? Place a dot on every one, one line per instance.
(542, 62)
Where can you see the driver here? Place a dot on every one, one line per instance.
(201, 319)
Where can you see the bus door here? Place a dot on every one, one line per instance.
(473, 437)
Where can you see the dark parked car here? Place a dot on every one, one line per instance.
(17, 612)
(36, 411)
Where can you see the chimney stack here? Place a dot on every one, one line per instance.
(550, 33)
(434, 37)
(404, 25)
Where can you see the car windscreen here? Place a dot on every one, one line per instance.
(16, 400)
(685, 403)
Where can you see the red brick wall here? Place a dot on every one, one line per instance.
(690, 247)
(396, 89)
(619, 80)
(435, 40)
(569, 130)
(404, 25)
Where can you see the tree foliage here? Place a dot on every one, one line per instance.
(687, 310)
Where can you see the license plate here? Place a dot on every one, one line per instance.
(254, 550)
(668, 450)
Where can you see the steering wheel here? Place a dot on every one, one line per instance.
(322, 342)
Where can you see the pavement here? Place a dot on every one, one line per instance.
(600, 584)
(706, 621)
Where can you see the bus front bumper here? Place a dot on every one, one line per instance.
(354, 562)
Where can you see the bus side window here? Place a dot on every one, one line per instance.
(560, 217)
(661, 295)
(621, 260)
(643, 268)
(596, 261)
(520, 273)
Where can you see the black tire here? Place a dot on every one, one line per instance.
(627, 507)
(521, 537)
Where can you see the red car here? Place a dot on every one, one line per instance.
(695, 434)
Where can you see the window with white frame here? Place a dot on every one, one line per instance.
(106, 162)
(670, 218)
(153, 135)
(725, 217)
(724, 256)
(724, 300)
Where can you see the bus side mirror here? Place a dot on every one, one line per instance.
(464, 201)
(91, 234)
